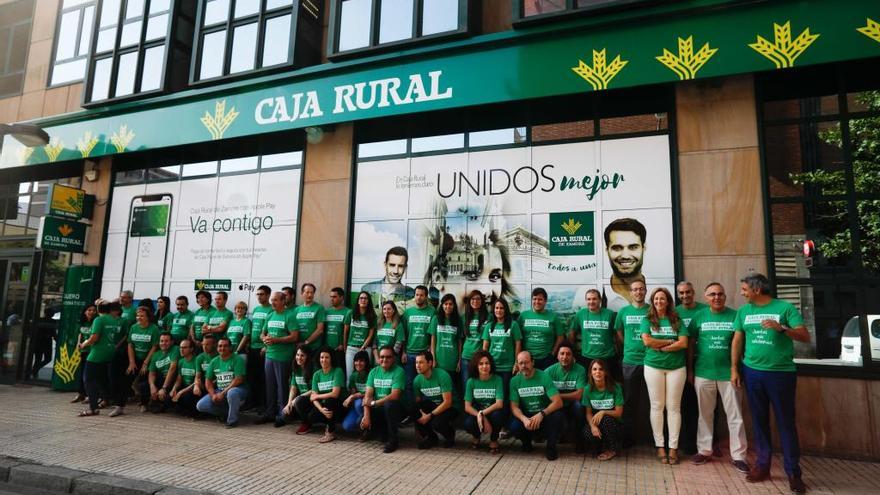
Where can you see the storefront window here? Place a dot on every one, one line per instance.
(15, 30)
(534, 8)
(73, 41)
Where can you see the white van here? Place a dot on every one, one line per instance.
(851, 342)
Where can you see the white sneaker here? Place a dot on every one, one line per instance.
(116, 411)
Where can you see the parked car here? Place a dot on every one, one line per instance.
(851, 342)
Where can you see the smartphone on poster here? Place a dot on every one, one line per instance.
(149, 220)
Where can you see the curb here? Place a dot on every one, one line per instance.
(63, 480)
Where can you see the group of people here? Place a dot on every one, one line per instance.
(483, 369)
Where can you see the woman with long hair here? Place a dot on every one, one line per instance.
(666, 340)
(445, 332)
(475, 316)
(484, 401)
(164, 315)
(143, 341)
(88, 315)
(389, 330)
(503, 339)
(102, 348)
(603, 403)
(300, 386)
(360, 333)
(357, 387)
(323, 404)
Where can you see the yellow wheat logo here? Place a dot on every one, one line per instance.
(221, 120)
(571, 226)
(783, 51)
(86, 144)
(200, 284)
(65, 229)
(871, 29)
(686, 63)
(54, 149)
(66, 364)
(122, 138)
(24, 154)
(600, 74)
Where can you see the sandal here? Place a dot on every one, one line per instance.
(661, 456)
(493, 448)
(88, 412)
(673, 456)
(78, 398)
(607, 455)
(475, 445)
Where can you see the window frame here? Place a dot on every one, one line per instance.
(466, 16)
(29, 21)
(81, 29)
(571, 10)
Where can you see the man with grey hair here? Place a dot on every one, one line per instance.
(280, 334)
(126, 300)
(765, 330)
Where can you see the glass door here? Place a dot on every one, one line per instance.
(15, 276)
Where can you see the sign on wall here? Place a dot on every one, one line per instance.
(61, 234)
(66, 201)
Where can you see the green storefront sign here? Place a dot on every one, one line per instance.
(702, 39)
(212, 284)
(80, 284)
(571, 234)
(61, 234)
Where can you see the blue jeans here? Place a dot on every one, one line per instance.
(277, 383)
(352, 421)
(497, 419)
(575, 419)
(465, 371)
(410, 369)
(777, 389)
(234, 398)
(550, 425)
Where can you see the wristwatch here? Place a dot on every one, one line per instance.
(372, 403)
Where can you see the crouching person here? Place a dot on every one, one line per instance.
(382, 407)
(182, 394)
(603, 402)
(433, 412)
(163, 370)
(225, 385)
(535, 406)
(323, 404)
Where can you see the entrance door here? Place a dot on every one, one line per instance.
(15, 275)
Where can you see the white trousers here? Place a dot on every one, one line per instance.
(664, 390)
(731, 399)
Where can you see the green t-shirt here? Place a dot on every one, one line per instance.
(128, 316)
(187, 370)
(203, 362)
(416, 322)
(433, 388)
(660, 359)
(357, 382)
(482, 394)
(502, 344)
(334, 325)
(473, 339)
(629, 322)
(85, 330)
(765, 348)
(201, 317)
(109, 328)
(603, 400)
(384, 382)
(180, 323)
(143, 339)
(161, 360)
(223, 371)
(533, 394)
(687, 315)
(712, 333)
(307, 319)
(258, 321)
(220, 316)
(596, 331)
(298, 380)
(280, 325)
(446, 349)
(389, 336)
(164, 323)
(358, 331)
(324, 382)
(236, 331)
(539, 332)
(567, 381)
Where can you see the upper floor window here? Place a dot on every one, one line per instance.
(525, 9)
(362, 24)
(73, 39)
(15, 30)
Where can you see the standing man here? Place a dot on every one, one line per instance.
(181, 321)
(289, 298)
(280, 334)
(225, 384)
(433, 412)
(391, 286)
(570, 378)
(416, 320)
(256, 360)
(709, 365)
(625, 246)
(382, 407)
(542, 330)
(767, 328)
(594, 325)
(126, 298)
(337, 320)
(309, 318)
(688, 308)
(219, 319)
(628, 323)
(534, 405)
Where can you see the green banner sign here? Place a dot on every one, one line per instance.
(212, 284)
(571, 234)
(590, 54)
(65, 201)
(80, 284)
(60, 234)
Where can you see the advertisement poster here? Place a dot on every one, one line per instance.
(164, 237)
(80, 283)
(566, 217)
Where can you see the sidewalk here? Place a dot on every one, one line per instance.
(39, 425)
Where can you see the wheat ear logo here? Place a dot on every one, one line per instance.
(86, 144)
(871, 29)
(687, 63)
(66, 364)
(65, 229)
(599, 74)
(54, 149)
(200, 284)
(571, 226)
(122, 138)
(220, 121)
(783, 51)
(24, 154)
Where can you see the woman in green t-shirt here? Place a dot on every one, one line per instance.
(357, 386)
(603, 403)
(475, 316)
(323, 404)
(503, 339)
(143, 340)
(101, 346)
(388, 330)
(445, 332)
(164, 314)
(484, 401)
(300, 388)
(182, 392)
(89, 313)
(665, 339)
(360, 333)
(239, 330)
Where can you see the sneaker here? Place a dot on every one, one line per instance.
(551, 453)
(231, 425)
(796, 484)
(365, 436)
(757, 475)
(741, 466)
(427, 443)
(116, 411)
(407, 421)
(389, 447)
(700, 459)
(303, 429)
(527, 446)
(503, 434)
(327, 437)
(449, 442)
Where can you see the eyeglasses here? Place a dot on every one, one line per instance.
(639, 289)
(716, 294)
(385, 357)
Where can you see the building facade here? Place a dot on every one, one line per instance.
(499, 145)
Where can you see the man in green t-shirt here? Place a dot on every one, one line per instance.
(182, 392)
(433, 411)
(126, 303)
(593, 325)
(542, 330)
(416, 321)
(628, 323)
(709, 368)
(309, 317)
(280, 333)
(225, 384)
(534, 406)
(163, 372)
(767, 328)
(337, 319)
(289, 298)
(256, 361)
(382, 401)
(181, 321)
(219, 319)
(203, 362)
(687, 309)
(201, 317)
(570, 378)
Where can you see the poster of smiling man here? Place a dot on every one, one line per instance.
(566, 217)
